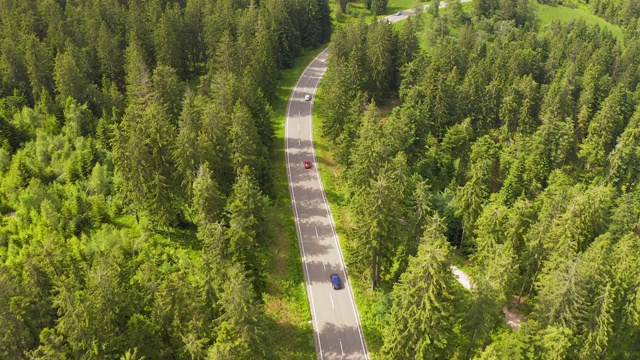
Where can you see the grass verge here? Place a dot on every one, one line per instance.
(547, 14)
(286, 301)
(372, 305)
(355, 9)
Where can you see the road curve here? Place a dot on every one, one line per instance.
(336, 322)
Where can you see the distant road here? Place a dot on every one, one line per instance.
(336, 322)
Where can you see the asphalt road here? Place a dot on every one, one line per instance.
(336, 322)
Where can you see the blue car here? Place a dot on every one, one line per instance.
(335, 281)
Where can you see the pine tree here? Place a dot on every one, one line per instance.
(311, 34)
(215, 259)
(376, 213)
(241, 330)
(624, 160)
(194, 34)
(215, 148)
(369, 152)
(379, 7)
(178, 309)
(551, 145)
(469, 202)
(225, 57)
(491, 229)
(408, 43)
(434, 8)
(344, 77)
(91, 315)
(380, 52)
(600, 327)
(248, 232)
(169, 91)
(169, 39)
(454, 12)
(263, 68)
(71, 78)
(324, 19)
(109, 52)
(14, 332)
(625, 269)
(143, 147)
(556, 343)
(605, 127)
(186, 155)
(422, 322)
(208, 200)
(246, 147)
(39, 62)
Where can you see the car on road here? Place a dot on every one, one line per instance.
(399, 13)
(335, 281)
(307, 164)
(307, 97)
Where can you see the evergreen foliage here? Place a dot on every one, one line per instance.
(521, 142)
(126, 128)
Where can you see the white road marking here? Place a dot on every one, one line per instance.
(331, 297)
(333, 228)
(324, 265)
(317, 232)
(314, 316)
(296, 90)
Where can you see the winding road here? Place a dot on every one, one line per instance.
(336, 322)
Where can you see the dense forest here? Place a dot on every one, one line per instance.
(136, 183)
(135, 149)
(515, 146)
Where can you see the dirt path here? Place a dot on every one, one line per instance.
(511, 317)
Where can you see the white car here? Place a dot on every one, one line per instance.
(399, 13)
(307, 97)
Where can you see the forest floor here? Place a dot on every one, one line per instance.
(512, 317)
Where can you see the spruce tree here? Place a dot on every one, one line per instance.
(242, 329)
(208, 201)
(143, 148)
(422, 321)
(248, 232)
(186, 155)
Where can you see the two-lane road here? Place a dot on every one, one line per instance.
(338, 334)
(336, 322)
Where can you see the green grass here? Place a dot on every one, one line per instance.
(427, 23)
(286, 301)
(374, 305)
(546, 14)
(355, 9)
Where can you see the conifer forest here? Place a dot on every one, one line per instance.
(141, 177)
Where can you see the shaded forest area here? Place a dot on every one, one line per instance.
(515, 145)
(125, 128)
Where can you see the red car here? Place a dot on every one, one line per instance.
(307, 164)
